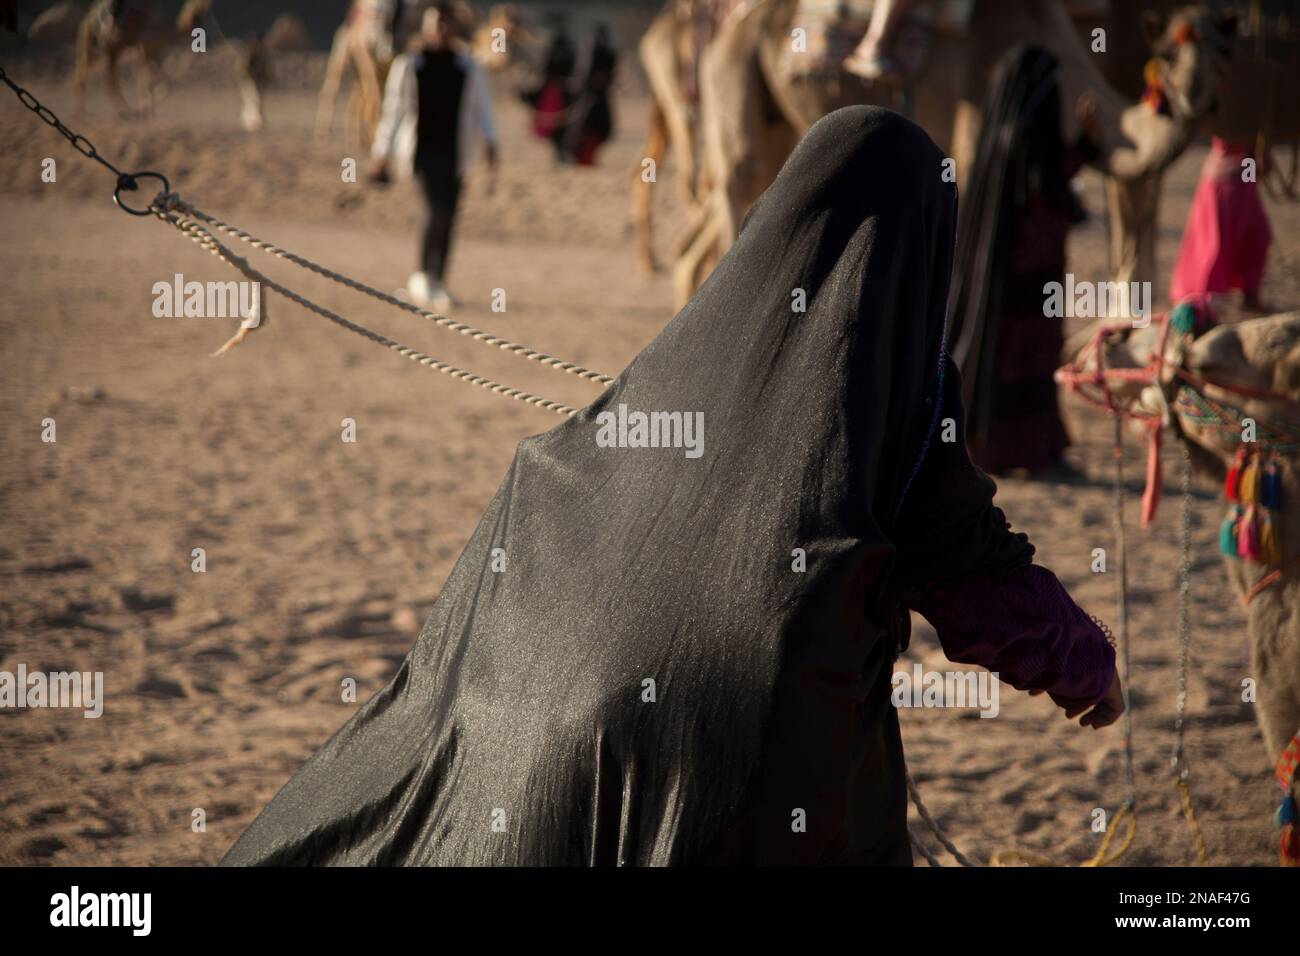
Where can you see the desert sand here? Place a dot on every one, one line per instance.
(323, 557)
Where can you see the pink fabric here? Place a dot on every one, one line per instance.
(1225, 243)
(550, 110)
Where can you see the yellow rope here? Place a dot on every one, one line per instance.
(1189, 811)
(1127, 813)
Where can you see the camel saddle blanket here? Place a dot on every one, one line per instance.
(824, 32)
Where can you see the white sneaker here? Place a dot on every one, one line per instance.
(419, 289)
(440, 300)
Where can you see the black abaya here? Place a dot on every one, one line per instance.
(523, 727)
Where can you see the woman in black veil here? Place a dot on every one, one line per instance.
(648, 655)
(1016, 212)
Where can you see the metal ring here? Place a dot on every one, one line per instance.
(128, 181)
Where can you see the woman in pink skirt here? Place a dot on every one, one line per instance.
(1225, 244)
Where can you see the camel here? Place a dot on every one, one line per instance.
(1230, 373)
(754, 110)
(365, 43)
(112, 27)
(669, 53)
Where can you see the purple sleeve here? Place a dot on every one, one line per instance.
(1026, 628)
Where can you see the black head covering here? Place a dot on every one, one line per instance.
(1020, 154)
(522, 728)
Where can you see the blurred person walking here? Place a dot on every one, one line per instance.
(1016, 213)
(437, 107)
(550, 101)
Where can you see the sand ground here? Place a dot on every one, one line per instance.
(323, 557)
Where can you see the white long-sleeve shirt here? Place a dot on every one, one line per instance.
(395, 138)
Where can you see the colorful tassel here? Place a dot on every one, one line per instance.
(1270, 545)
(1232, 483)
(1288, 762)
(1286, 813)
(1183, 318)
(1248, 484)
(1154, 95)
(1290, 846)
(1270, 495)
(1228, 533)
(1248, 535)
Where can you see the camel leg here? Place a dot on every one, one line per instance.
(965, 140)
(112, 54)
(745, 140)
(153, 77)
(329, 88)
(1275, 662)
(251, 116)
(699, 253)
(85, 61)
(642, 207)
(659, 57)
(371, 94)
(1134, 205)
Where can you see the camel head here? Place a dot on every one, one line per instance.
(1190, 58)
(1183, 77)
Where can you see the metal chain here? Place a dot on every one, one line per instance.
(1102, 626)
(1178, 762)
(80, 143)
(1122, 601)
(125, 181)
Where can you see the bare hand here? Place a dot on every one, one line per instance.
(1085, 110)
(1102, 714)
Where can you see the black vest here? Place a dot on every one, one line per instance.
(441, 84)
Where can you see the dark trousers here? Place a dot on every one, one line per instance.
(439, 182)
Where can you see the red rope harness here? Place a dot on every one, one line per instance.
(1085, 385)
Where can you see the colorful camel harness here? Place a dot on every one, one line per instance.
(1287, 817)
(1251, 530)
(1253, 486)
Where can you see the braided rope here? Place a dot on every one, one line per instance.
(1101, 858)
(920, 848)
(1189, 811)
(934, 827)
(1271, 433)
(206, 240)
(171, 202)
